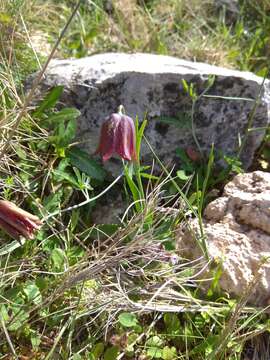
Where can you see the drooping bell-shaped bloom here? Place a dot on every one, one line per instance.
(117, 137)
(193, 154)
(17, 222)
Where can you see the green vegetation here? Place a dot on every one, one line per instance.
(115, 291)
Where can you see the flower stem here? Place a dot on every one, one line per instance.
(121, 110)
(87, 201)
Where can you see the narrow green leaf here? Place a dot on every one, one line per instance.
(134, 190)
(50, 100)
(64, 175)
(148, 176)
(98, 350)
(6, 249)
(185, 86)
(64, 115)
(86, 164)
(139, 135)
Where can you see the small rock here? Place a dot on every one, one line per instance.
(109, 210)
(237, 226)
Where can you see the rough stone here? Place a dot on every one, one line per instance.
(110, 210)
(151, 86)
(237, 226)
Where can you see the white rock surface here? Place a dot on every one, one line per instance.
(237, 227)
(151, 85)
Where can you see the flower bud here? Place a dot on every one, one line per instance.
(17, 222)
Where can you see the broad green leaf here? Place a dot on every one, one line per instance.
(127, 319)
(154, 352)
(63, 135)
(64, 175)
(154, 341)
(186, 163)
(207, 346)
(20, 152)
(50, 100)
(32, 292)
(53, 201)
(51, 243)
(169, 353)
(69, 133)
(98, 350)
(42, 282)
(64, 115)
(195, 196)
(74, 254)
(91, 34)
(18, 316)
(58, 259)
(35, 340)
(80, 159)
(111, 353)
(63, 164)
(4, 312)
(181, 174)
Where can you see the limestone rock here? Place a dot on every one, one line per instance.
(237, 226)
(151, 86)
